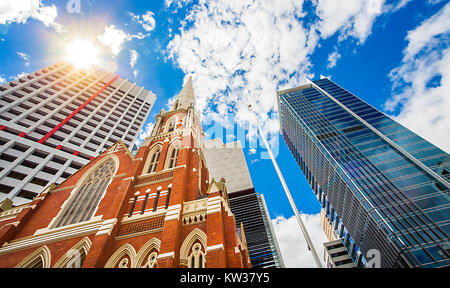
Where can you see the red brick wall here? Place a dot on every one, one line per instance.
(219, 227)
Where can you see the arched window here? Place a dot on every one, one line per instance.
(124, 257)
(83, 204)
(151, 260)
(124, 263)
(75, 256)
(77, 260)
(172, 124)
(173, 154)
(41, 258)
(197, 257)
(154, 161)
(176, 105)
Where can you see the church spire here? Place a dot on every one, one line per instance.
(186, 97)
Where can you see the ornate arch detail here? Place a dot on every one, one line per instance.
(189, 241)
(99, 163)
(84, 244)
(153, 149)
(173, 118)
(153, 243)
(79, 187)
(41, 255)
(176, 138)
(125, 250)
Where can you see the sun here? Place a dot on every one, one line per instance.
(82, 53)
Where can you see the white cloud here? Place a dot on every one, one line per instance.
(244, 51)
(133, 60)
(354, 18)
(25, 57)
(147, 20)
(292, 243)
(2, 80)
(113, 38)
(20, 75)
(422, 82)
(19, 11)
(179, 3)
(332, 59)
(420, 37)
(145, 132)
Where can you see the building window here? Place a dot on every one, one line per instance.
(151, 260)
(173, 154)
(37, 263)
(123, 263)
(77, 260)
(154, 161)
(197, 257)
(82, 205)
(171, 124)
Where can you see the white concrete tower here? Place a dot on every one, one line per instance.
(53, 121)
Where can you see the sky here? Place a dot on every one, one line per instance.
(394, 54)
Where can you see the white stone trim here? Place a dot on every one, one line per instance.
(126, 249)
(173, 212)
(166, 255)
(215, 247)
(52, 236)
(107, 226)
(214, 205)
(43, 253)
(137, 216)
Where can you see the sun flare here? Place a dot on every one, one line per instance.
(82, 54)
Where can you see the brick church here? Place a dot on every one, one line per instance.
(153, 210)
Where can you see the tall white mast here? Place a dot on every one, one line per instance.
(288, 194)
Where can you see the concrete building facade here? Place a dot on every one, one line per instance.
(228, 161)
(53, 121)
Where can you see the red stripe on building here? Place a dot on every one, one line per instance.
(57, 127)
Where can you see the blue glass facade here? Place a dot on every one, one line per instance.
(382, 186)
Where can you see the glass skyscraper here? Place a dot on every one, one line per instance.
(384, 188)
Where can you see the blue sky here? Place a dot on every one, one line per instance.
(394, 54)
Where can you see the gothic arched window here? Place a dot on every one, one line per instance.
(197, 257)
(151, 260)
(154, 161)
(77, 259)
(176, 105)
(173, 154)
(83, 204)
(172, 124)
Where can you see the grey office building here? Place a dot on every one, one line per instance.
(249, 207)
(384, 188)
(53, 121)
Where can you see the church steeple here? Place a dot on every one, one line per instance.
(186, 98)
